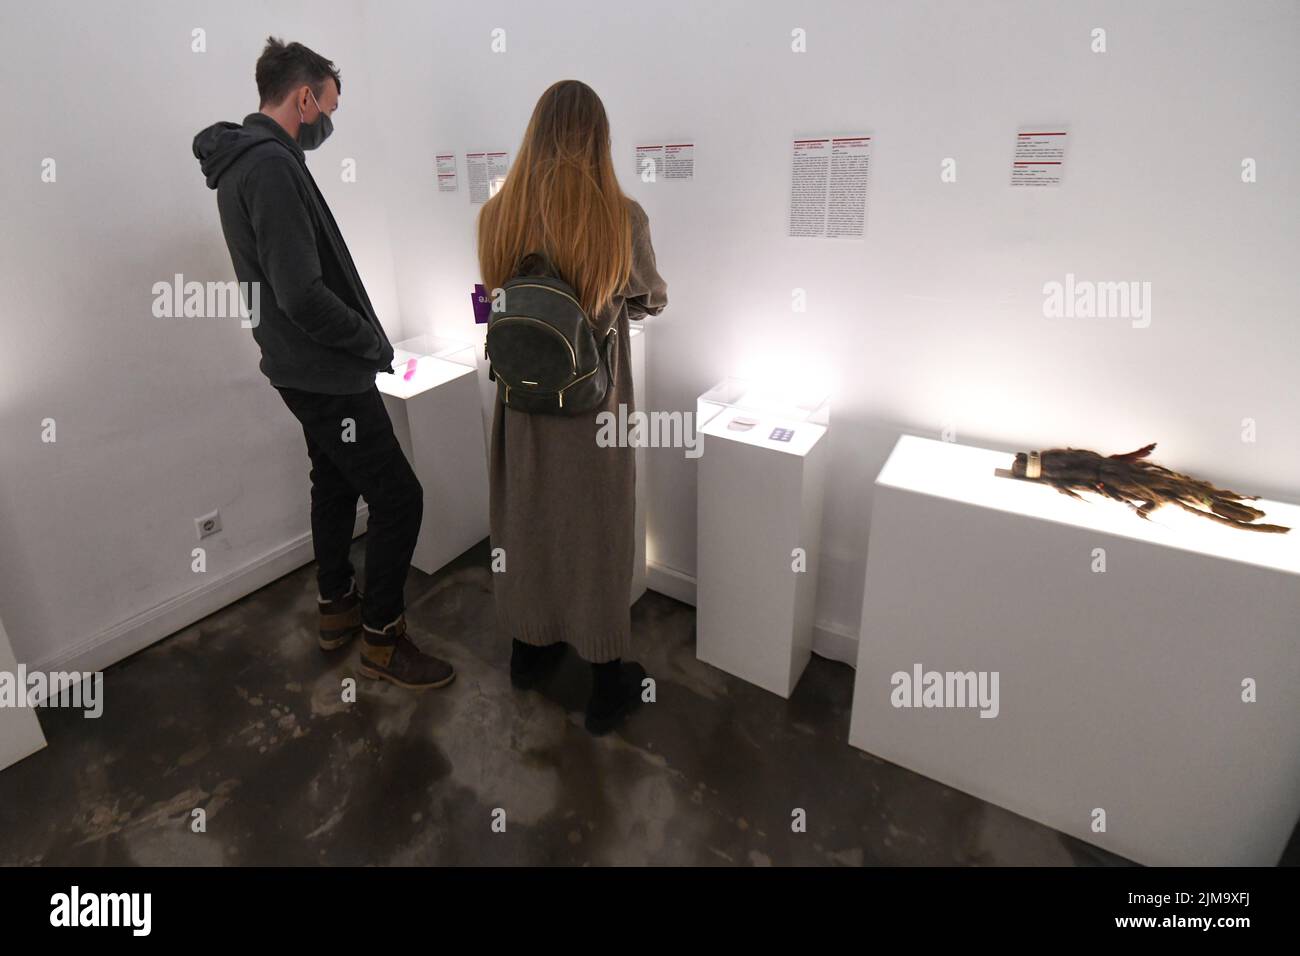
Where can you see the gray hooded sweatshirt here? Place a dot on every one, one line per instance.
(316, 327)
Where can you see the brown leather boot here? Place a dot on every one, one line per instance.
(390, 655)
(340, 619)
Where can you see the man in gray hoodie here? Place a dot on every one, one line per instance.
(322, 346)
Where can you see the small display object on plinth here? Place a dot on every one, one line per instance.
(1132, 683)
(433, 401)
(761, 480)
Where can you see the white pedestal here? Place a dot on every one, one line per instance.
(437, 417)
(759, 499)
(1119, 690)
(637, 345)
(20, 731)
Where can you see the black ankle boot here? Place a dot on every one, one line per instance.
(529, 664)
(615, 692)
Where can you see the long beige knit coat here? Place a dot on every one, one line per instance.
(563, 507)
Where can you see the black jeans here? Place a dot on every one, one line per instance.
(354, 453)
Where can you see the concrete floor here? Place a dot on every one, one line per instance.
(241, 715)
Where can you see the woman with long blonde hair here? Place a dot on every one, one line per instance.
(562, 506)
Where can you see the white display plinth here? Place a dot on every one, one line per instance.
(20, 731)
(1118, 690)
(437, 417)
(759, 500)
(636, 343)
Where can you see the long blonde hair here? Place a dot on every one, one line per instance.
(561, 198)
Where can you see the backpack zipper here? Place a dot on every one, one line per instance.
(573, 356)
(535, 285)
(559, 393)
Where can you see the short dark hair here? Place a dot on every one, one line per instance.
(282, 68)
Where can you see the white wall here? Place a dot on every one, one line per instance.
(158, 420)
(934, 320)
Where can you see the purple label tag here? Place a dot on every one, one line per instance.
(482, 304)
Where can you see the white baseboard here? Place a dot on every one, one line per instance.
(833, 641)
(125, 638)
(677, 585)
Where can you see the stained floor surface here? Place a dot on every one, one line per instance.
(242, 717)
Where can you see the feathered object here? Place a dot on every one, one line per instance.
(1142, 485)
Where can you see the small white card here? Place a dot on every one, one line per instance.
(486, 172)
(671, 162)
(1039, 158)
(828, 187)
(446, 163)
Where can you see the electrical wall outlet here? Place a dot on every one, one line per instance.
(208, 525)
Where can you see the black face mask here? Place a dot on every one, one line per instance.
(311, 135)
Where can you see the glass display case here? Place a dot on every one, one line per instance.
(432, 346)
(425, 361)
